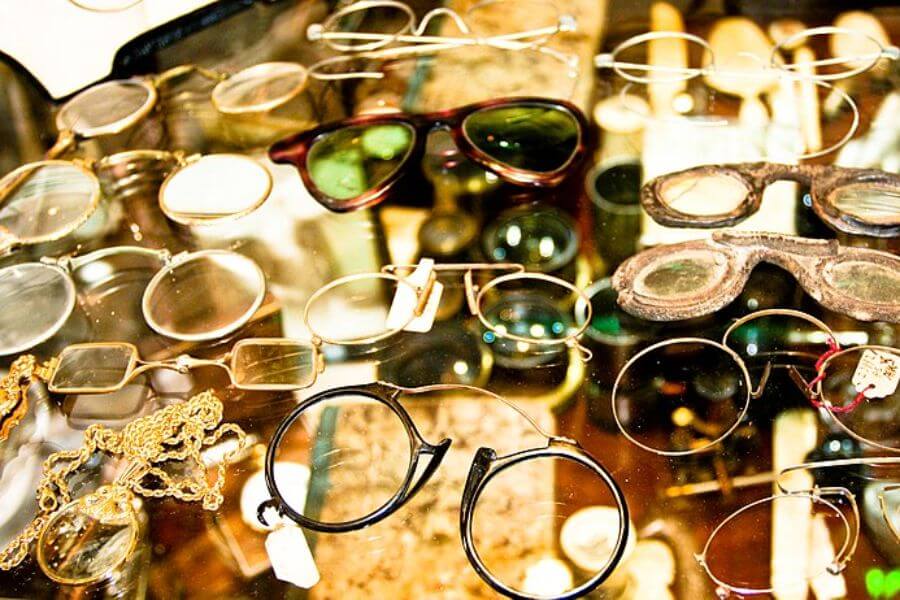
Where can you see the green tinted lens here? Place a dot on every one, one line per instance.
(527, 137)
(349, 162)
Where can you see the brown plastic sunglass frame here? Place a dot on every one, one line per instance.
(295, 150)
(826, 182)
(729, 257)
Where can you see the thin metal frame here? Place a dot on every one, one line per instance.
(751, 392)
(485, 466)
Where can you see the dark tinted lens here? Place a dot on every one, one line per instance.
(351, 161)
(528, 137)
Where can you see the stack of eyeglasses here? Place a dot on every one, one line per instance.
(711, 362)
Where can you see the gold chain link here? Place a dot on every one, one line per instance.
(171, 436)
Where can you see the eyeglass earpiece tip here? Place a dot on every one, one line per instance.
(314, 32)
(568, 23)
(602, 61)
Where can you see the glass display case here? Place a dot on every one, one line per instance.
(510, 298)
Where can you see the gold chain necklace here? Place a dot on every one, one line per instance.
(170, 437)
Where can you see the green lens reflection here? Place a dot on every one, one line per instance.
(351, 161)
(534, 137)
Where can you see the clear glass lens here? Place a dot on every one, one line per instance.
(869, 203)
(781, 340)
(106, 108)
(874, 418)
(665, 52)
(682, 275)
(360, 457)
(703, 194)
(790, 524)
(529, 310)
(87, 367)
(47, 200)
(377, 20)
(536, 551)
(492, 18)
(204, 296)
(347, 163)
(867, 281)
(36, 299)
(680, 396)
(850, 52)
(259, 88)
(356, 309)
(88, 539)
(540, 239)
(217, 186)
(273, 364)
(527, 137)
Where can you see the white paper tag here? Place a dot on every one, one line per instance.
(292, 561)
(405, 301)
(878, 374)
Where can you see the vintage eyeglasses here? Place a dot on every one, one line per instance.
(691, 279)
(344, 31)
(858, 388)
(834, 521)
(194, 296)
(856, 201)
(344, 461)
(48, 200)
(688, 395)
(406, 298)
(636, 72)
(355, 163)
(842, 66)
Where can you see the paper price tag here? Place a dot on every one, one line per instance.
(878, 374)
(404, 305)
(292, 561)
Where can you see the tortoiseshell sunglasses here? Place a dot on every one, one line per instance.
(354, 163)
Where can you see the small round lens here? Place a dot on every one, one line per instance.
(633, 59)
(107, 108)
(204, 296)
(491, 18)
(259, 88)
(691, 193)
(359, 459)
(867, 281)
(354, 160)
(374, 25)
(780, 339)
(535, 552)
(786, 525)
(214, 187)
(530, 310)
(47, 200)
(852, 52)
(37, 300)
(870, 203)
(862, 386)
(680, 397)
(361, 309)
(539, 138)
(88, 539)
(539, 238)
(686, 274)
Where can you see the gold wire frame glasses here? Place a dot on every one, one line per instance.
(418, 293)
(409, 39)
(641, 73)
(824, 502)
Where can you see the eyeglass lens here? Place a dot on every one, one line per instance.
(89, 367)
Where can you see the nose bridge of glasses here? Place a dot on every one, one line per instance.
(774, 245)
